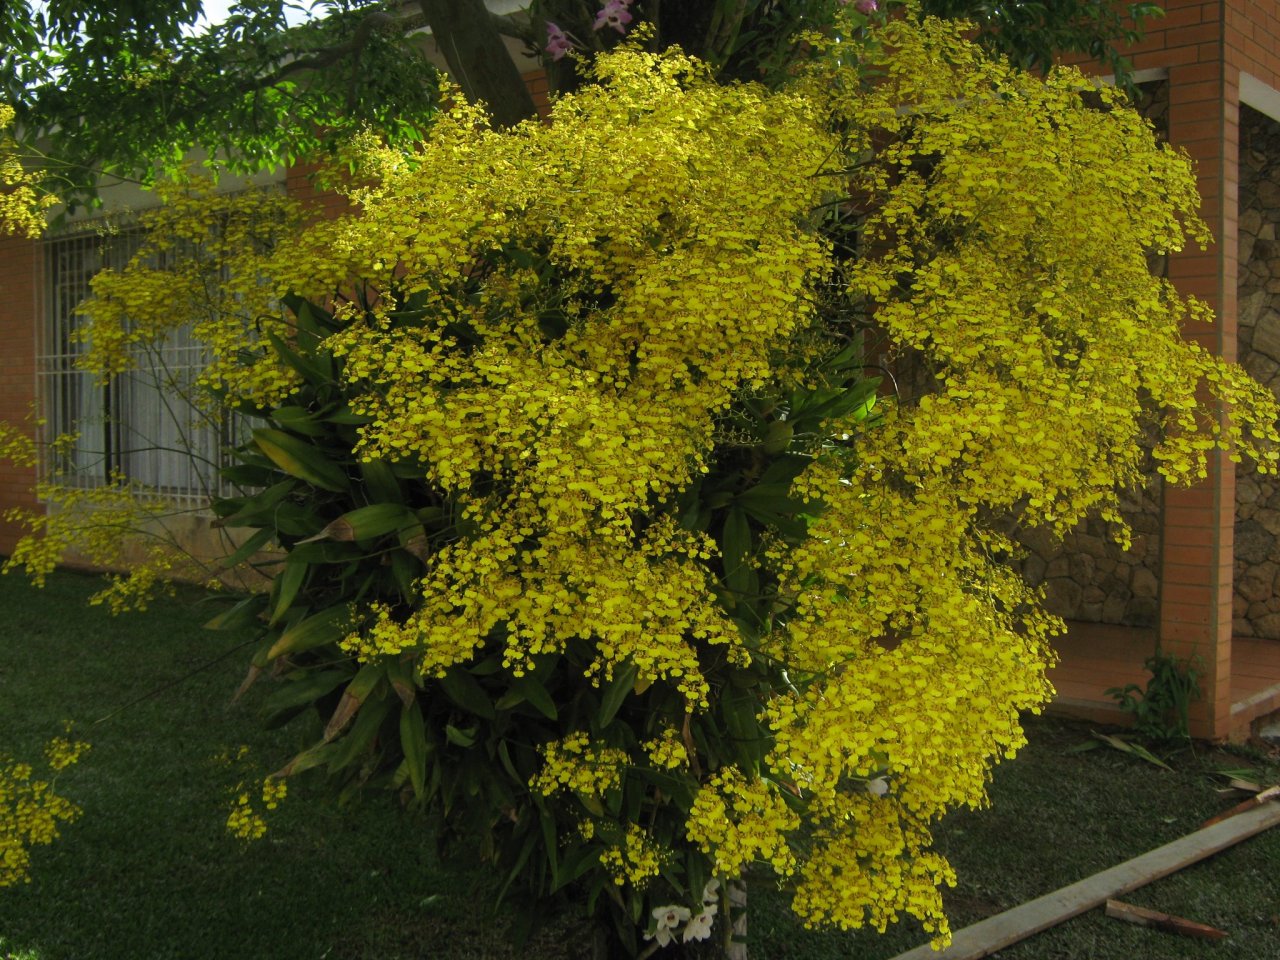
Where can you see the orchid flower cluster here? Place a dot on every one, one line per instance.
(22, 200)
(558, 42)
(667, 920)
(30, 812)
(615, 14)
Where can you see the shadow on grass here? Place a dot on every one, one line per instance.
(150, 872)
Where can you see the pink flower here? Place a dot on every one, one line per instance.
(614, 14)
(866, 6)
(558, 42)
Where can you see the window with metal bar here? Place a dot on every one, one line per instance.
(142, 424)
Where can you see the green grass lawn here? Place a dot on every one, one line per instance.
(149, 871)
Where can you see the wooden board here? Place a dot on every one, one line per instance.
(1129, 913)
(984, 938)
(1262, 797)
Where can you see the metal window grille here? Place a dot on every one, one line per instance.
(141, 424)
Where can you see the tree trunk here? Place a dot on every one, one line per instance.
(735, 898)
(478, 59)
(600, 943)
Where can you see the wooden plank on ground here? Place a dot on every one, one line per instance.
(1271, 793)
(1128, 912)
(984, 938)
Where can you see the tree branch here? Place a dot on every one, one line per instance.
(324, 58)
(509, 28)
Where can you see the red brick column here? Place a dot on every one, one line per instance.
(1205, 46)
(1199, 522)
(20, 274)
(1250, 44)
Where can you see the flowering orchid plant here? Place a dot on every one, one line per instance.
(615, 14)
(559, 43)
(668, 919)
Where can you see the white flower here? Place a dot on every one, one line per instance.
(878, 787)
(699, 928)
(666, 919)
(709, 892)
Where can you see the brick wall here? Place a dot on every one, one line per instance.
(1227, 38)
(1195, 614)
(1198, 522)
(539, 89)
(20, 262)
(299, 184)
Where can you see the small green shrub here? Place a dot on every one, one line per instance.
(1161, 709)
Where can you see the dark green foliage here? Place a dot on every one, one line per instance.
(128, 89)
(1160, 710)
(1033, 34)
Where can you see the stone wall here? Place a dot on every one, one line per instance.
(1087, 576)
(1256, 607)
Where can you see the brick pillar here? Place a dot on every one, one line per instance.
(1199, 522)
(20, 262)
(539, 89)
